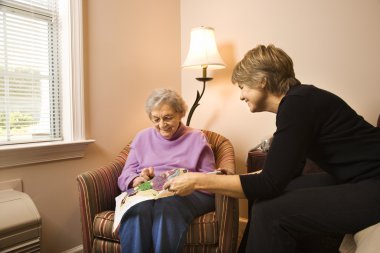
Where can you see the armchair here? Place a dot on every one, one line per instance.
(213, 232)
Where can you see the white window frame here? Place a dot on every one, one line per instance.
(73, 106)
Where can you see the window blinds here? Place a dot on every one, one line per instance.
(30, 108)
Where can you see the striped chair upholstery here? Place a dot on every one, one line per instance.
(213, 232)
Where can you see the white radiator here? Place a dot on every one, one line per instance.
(20, 223)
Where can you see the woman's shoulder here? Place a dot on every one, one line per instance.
(309, 90)
(143, 133)
(194, 133)
(308, 102)
(304, 89)
(308, 95)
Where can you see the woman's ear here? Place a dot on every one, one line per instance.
(263, 82)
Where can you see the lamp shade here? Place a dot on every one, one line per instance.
(203, 51)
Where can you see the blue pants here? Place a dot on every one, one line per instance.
(162, 224)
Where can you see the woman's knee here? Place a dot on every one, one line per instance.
(143, 209)
(167, 206)
(319, 179)
(173, 208)
(270, 209)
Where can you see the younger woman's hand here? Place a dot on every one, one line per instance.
(222, 171)
(182, 185)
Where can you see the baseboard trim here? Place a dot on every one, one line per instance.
(77, 249)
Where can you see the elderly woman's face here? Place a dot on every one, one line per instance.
(166, 120)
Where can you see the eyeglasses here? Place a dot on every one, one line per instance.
(165, 119)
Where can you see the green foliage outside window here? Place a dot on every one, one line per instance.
(19, 122)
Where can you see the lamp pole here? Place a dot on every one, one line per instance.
(203, 79)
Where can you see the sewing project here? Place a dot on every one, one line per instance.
(152, 189)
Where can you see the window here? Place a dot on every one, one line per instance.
(41, 101)
(30, 108)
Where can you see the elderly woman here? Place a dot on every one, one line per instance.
(162, 224)
(311, 123)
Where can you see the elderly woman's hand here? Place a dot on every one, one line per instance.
(182, 185)
(137, 181)
(145, 175)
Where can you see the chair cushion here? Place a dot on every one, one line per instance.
(367, 240)
(364, 241)
(101, 246)
(103, 226)
(196, 234)
(348, 244)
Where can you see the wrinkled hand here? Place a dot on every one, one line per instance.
(145, 175)
(182, 185)
(223, 171)
(137, 181)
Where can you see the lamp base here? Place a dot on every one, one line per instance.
(204, 79)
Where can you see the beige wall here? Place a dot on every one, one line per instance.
(130, 48)
(335, 45)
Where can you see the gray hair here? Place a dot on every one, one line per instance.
(165, 96)
(266, 64)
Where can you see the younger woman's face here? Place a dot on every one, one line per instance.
(256, 98)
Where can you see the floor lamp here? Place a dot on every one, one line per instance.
(203, 53)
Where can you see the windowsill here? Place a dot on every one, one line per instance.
(23, 154)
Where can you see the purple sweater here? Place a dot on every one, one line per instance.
(188, 148)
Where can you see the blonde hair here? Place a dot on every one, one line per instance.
(269, 65)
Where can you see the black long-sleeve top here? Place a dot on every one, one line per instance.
(316, 124)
